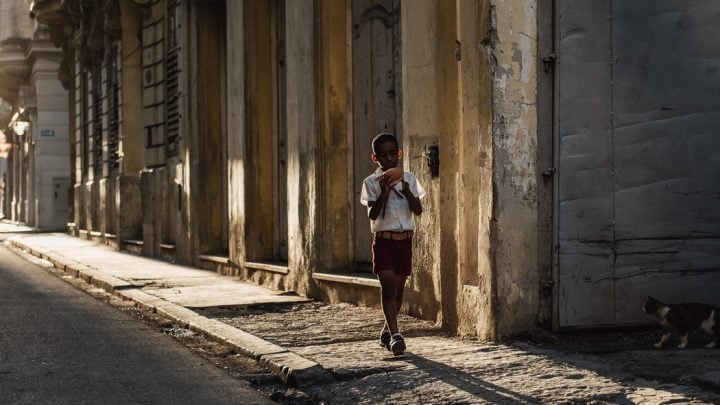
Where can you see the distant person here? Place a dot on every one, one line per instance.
(392, 197)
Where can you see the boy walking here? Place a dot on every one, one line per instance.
(392, 197)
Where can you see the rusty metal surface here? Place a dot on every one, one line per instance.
(639, 162)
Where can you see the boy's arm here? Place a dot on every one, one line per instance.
(413, 201)
(377, 205)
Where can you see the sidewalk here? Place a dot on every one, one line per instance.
(331, 353)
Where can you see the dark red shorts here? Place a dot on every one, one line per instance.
(393, 255)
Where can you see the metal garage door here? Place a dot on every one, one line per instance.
(639, 156)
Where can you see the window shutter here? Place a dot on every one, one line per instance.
(113, 92)
(97, 118)
(172, 70)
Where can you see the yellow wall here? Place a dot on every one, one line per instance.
(468, 86)
(259, 129)
(333, 149)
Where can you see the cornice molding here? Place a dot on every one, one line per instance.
(48, 12)
(14, 66)
(82, 28)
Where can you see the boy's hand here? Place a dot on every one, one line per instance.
(394, 175)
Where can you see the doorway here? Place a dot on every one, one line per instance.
(376, 100)
(211, 166)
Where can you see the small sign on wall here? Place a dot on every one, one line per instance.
(47, 133)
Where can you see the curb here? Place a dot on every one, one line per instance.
(290, 367)
(88, 274)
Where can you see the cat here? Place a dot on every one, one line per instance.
(683, 319)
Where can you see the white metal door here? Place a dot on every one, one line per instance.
(639, 156)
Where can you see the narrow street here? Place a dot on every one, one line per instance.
(99, 326)
(61, 345)
(222, 201)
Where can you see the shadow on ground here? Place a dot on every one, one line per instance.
(632, 351)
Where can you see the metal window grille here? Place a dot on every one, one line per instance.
(85, 123)
(113, 92)
(172, 69)
(97, 117)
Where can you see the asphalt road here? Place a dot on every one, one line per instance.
(60, 345)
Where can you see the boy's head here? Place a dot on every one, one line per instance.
(382, 138)
(386, 151)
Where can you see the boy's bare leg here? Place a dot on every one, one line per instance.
(399, 289)
(388, 296)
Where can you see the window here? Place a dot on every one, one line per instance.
(172, 69)
(113, 92)
(84, 117)
(97, 126)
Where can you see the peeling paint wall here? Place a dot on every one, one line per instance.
(515, 168)
(333, 93)
(469, 86)
(303, 215)
(475, 284)
(236, 128)
(258, 132)
(469, 79)
(207, 194)
(424, 102)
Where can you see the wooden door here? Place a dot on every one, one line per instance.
(375, 97)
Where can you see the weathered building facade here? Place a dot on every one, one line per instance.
(34, 120)
(234, 135)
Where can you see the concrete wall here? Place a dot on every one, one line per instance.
(259, 129)
(52, 150)
(447, 103)
(15, 21)
(43, 151)
(429, 103)
(302, 164)
(106, 204)
(165, 186)
(127, 188)
(469, 77)
(468, 87)
(333, 116)
(475, 283)
(250, 156)
(236, 128)
(206, 132)
(515, 167)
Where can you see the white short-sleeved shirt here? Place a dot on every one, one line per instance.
(397, 215)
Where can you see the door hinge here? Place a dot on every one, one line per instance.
(548, 173)
(458, 53)
(548, 61)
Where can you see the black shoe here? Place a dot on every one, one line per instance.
(397, 344)
(385, 339)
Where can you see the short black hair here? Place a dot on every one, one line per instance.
(381, 139)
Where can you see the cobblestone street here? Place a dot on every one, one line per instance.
(598, 367)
